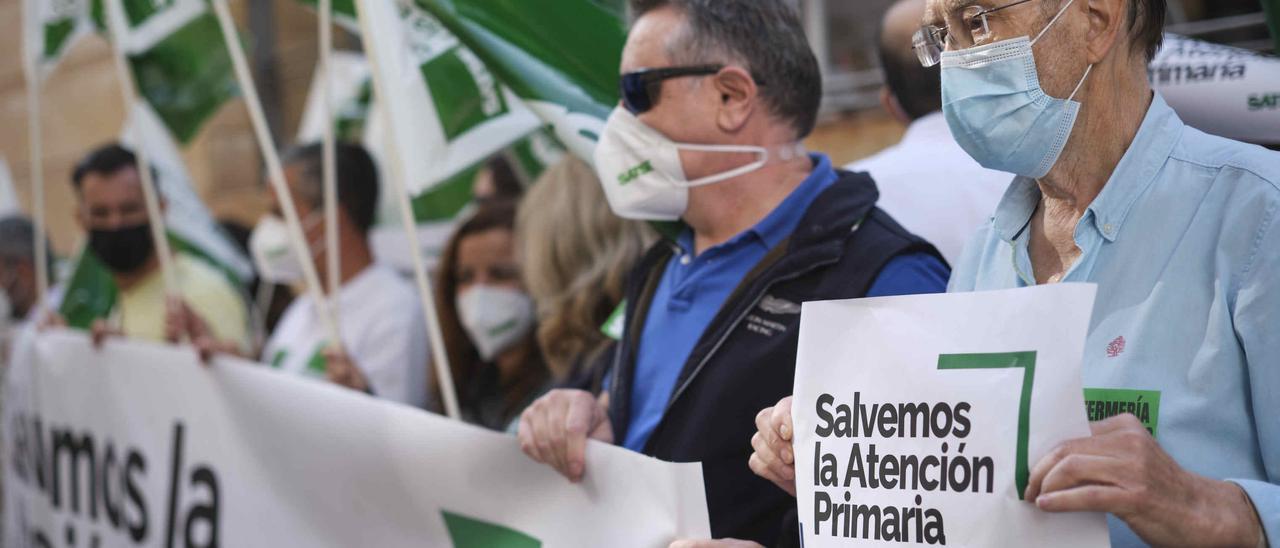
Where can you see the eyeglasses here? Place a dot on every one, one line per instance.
(641, 89)
(931, 40)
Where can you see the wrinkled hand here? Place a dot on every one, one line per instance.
(718, 543)
(341, 370)
(1122, 470)
(555, 429)
(774, 458)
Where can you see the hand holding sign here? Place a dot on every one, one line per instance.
(555, 429)
(1121, 469)
(774, 456)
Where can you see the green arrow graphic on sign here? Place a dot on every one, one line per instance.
(467, 532)
(1007, 360)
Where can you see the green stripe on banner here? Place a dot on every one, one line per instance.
(445, 200)
(467, 532)
(1027, 362)
(186, 77)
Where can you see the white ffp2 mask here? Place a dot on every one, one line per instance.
(272, 250)
(641, 171)
(495, 318)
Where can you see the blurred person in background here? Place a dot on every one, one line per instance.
(18, 267)
(488, 320)
(111, 208)
(384, 336)
(496, 181)
(575, 255)
(926, 181)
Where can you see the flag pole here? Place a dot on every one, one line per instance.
(35, 147)
(116, 24)
(330, 160)
(275, 170)
(439, 355)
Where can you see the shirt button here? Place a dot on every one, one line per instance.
(685, 260)
(1107, 228)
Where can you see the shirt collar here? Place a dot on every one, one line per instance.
(1147, 154)
(1137, 170)
(783, 220)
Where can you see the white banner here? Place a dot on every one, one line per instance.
(138, 445)
(917, 418)
(1226, 91)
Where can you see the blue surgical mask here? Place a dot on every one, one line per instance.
(992, 99)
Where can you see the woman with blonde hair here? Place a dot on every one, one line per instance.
(575, 255)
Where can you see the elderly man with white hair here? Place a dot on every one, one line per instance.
(1179, 230)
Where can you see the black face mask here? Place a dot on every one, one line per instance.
(123, 250)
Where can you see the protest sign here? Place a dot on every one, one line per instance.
(139, 445)
(917, 418)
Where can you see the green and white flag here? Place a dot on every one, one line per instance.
(445, 109)
(174, 47)
(180, 61)
(358, 117)
(50, 28)
(560, 58)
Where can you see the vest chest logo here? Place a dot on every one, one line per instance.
(770, 305)
(774, 305)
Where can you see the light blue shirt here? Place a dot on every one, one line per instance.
(1184, 246)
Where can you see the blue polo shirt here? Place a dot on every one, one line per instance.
(694, 287)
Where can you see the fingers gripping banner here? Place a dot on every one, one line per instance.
(917, 418)
(139, 445)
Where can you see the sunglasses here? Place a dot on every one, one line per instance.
(641, 89)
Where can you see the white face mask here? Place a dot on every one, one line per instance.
(641, 171)
(272, 250)
(495, 317)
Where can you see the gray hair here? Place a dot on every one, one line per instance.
(765, 36)
(17, 241)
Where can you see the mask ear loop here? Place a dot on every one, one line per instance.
(1081, 84)
(1052, 21)
(785, 154)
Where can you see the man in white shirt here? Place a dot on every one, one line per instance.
(384, 336)
(926, 181)
(383, 330)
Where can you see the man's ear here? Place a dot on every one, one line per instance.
(1107, 20)
(890, 104)
(737, 93)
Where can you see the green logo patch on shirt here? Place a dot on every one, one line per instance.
(1103, 403)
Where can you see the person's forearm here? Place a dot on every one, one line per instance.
(1263, 500)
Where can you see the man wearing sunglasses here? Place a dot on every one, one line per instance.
(716, 96)
(1180, 231)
